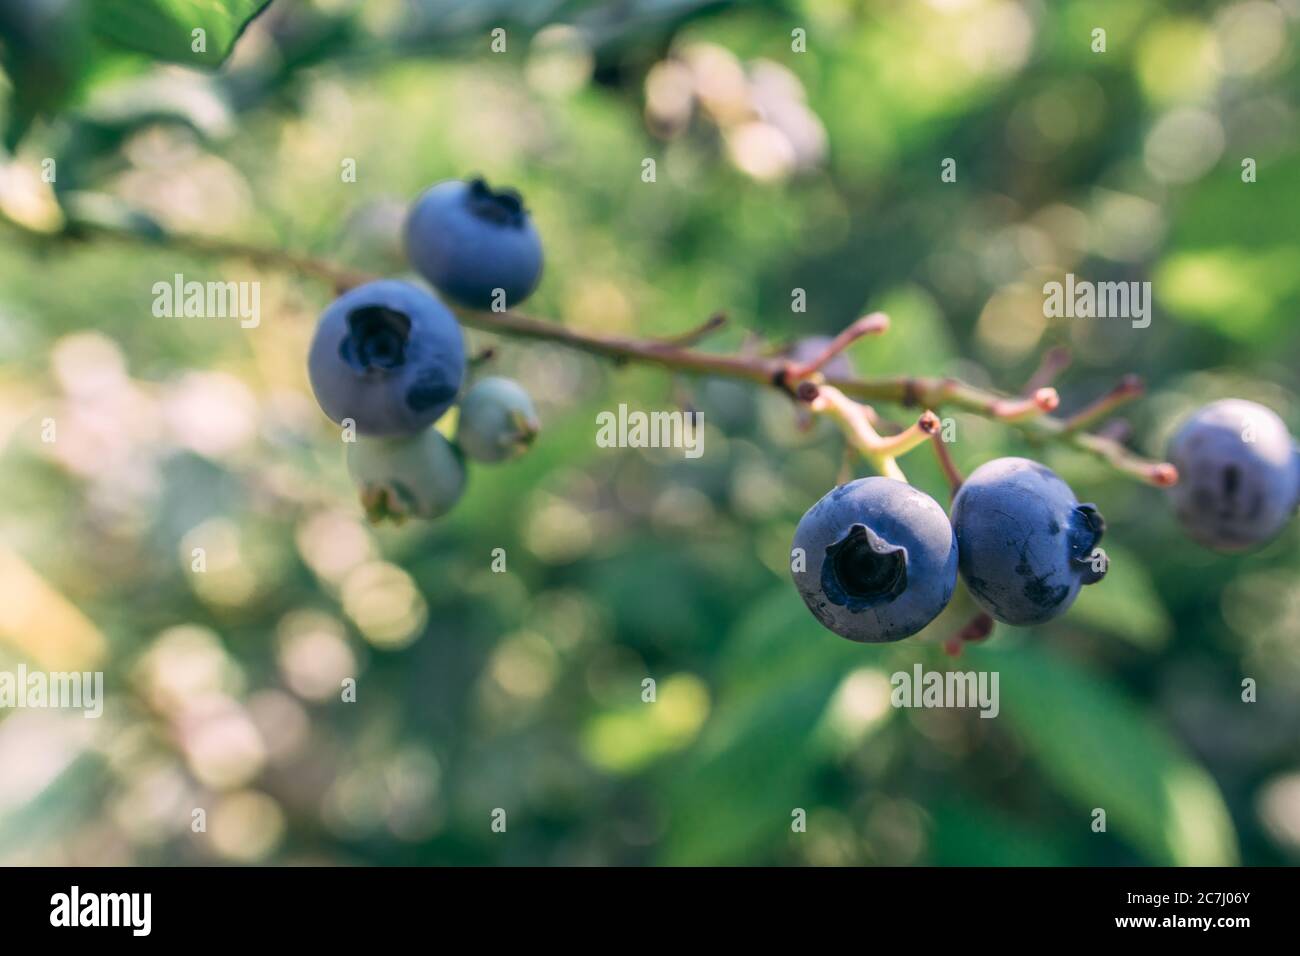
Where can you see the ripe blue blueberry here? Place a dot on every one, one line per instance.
(1238, 477)
(875, 560)
(469, 241)
(1026, 544)
(388, 356)
(398, 478)
(497, 420)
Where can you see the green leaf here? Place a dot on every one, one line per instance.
(1103, 752)
(967, 834)
(730, 799)
(165, 28)
(780, 642)
(44, 49)
(625, 739)
(1227, 267)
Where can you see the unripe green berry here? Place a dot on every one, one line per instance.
(398, 478)
(497, 420)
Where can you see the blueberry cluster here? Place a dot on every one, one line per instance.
(876, 560)
(388, 358)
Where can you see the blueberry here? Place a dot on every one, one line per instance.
(1238, 477)
(879, 560)
(469, 241)
(418, 477)
(805, 350)
(497, 420)
(1026, 544)
(388, 356)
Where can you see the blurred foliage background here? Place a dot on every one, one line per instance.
(776, 170)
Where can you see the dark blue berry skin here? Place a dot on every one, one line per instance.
(1238, 477)
(387, 355)
(879, 560)
(1026, 544)
(469, 240)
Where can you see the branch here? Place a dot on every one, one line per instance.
(710, 325)
(873, 324)
(858, 423)
(1129, 388)
(1022, 409)
(1054, 361)
(1028, 416)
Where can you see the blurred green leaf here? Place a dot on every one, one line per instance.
(165, 28)
(44, 48)
(625, 739)
(737, 791)
(732, 796)
(780, 643)
(1227, 266)
(1102, 752)
(966, 834)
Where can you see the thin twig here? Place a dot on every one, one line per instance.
(1043, 400)
(874, 324)
(907, 391)
(1054, 361)
(946, 464)
(1129, 388)
(710, 325)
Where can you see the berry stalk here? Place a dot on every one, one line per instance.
(677, 355)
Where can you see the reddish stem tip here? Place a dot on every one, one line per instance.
(1163, 475)
(873, 324)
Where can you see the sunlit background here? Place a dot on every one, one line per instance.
(775, 170)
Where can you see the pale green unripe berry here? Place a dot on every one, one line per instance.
(497, 420)
(398, 478)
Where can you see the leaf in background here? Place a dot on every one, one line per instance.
(1101, 751)
(729, 800)
(732, 798)
(1126, 605)
(625, 739)
(967, 834)
(44, 45)
(918, 337)
(780, 642)
(1227, 266)
(164, 28)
